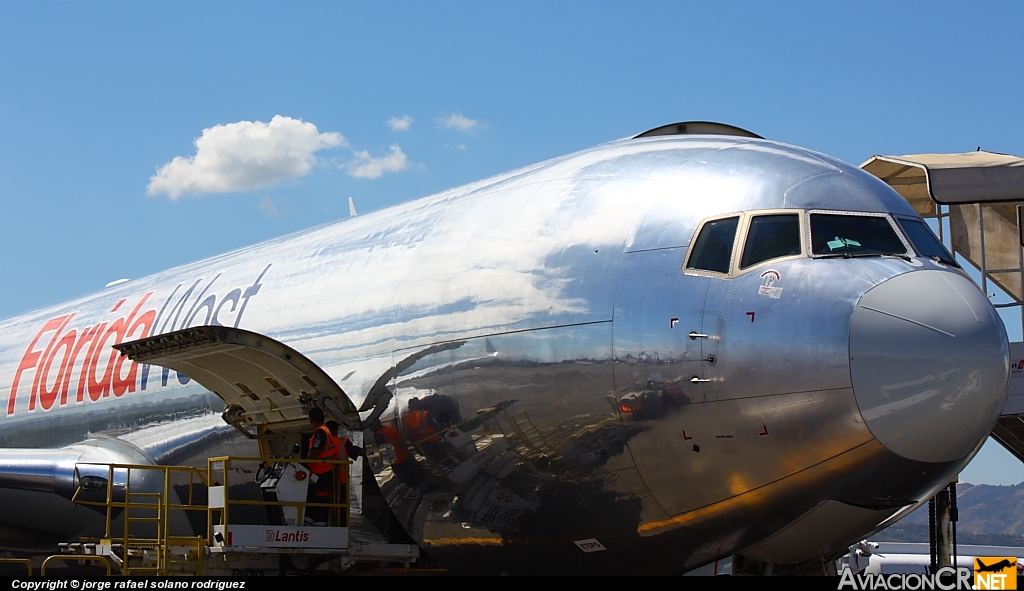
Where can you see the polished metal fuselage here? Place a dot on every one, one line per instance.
(580, 409)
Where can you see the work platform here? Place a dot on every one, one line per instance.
(241, 515)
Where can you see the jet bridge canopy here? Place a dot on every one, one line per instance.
(262, 381)
(971, 177)
(978, 200)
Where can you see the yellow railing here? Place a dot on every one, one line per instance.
(221, 469)
(146, 513)
(25, 561)
(146, 497)
(73, 558)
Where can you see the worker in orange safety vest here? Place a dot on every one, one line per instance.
(408, 471)
(418, 425)
(421, 429)
(346, 450)
(323, 447)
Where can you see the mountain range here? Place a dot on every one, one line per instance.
(988, 515)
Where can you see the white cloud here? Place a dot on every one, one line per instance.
(368, 167)
(402, 124)
(459, 122)
(244, 156)
(270, 209)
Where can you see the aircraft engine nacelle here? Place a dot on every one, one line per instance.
(41, 483)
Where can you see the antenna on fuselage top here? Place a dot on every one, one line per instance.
(351, 207)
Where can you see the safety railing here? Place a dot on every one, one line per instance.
(146, 500)
(23, 561)
(286, 507)
(73, 558)
(143, 533)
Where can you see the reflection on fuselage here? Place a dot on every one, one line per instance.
(505, 458)
(569, 396)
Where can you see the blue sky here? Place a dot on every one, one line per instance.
(95, 98)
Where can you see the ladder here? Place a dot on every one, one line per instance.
(528, 433)
(144, 543)
(143, 511)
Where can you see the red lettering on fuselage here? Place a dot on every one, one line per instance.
(84, 352)
(124, 384)
(47, 396)
(31, 357)
(86, 337)
(46, 356)
(97, 388)
(99, 373)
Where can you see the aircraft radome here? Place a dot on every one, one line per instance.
(637, 358)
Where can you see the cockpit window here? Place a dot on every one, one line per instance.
(853, 235)
(712, 251)
(924, 241)
(771, 237)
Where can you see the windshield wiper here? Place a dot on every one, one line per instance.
(857, 255)
(944, 260)
(849, 255)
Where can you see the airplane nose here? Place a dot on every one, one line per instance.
(929, 360)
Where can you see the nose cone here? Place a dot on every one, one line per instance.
(930, 364)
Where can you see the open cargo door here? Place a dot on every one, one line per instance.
(263, 382)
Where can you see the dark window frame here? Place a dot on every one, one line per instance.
(951, 260)
(737, 233)
(751, 217)
(809, 238)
